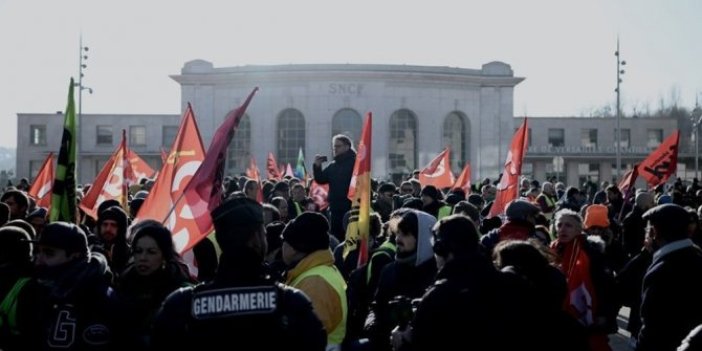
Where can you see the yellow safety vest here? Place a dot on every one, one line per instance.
(444, 211)
(332, 276)
(550, 204)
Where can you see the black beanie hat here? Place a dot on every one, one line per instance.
(432, 192)
(66, 236)
(15, 245)
(308, 232)
(235, 213)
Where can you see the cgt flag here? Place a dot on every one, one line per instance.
(662, 163)
(63, 198)
(508, 188)
(463, 180)
(40, 190)
(438, 172)
(111, 182)
(186, 155)
(140, 169)
(204, 192)
(360, 194)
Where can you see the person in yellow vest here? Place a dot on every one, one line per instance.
(296, 203)
(311, 269)
(433, 203)
(547, 200)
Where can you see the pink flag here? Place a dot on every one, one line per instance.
(204, 192)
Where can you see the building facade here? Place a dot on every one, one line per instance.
(417, 111)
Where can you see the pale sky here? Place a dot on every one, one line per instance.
(564, 49)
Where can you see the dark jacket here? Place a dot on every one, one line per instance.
(338, 175)
(291, 324)
(73, 298)
(671, 304)
(473, 306)
(141, 296)
(633, 232)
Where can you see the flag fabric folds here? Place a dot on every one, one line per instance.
(661, 163)
(438, 171)
(463, 180)
(319, 194)
(185, 157)
(40, 190)
(360, 194)
(272, 168)
(508, 188)
(300, 169)
(111, 183)
(140, 169)
(63, 198)
(204, 192)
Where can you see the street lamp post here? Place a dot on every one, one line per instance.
(696, 120)
(82, 57)
(619, 113)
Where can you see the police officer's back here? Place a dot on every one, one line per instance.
(242, 302)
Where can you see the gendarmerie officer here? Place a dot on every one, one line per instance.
(242, 302)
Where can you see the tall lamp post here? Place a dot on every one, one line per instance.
(696, 120)
(620, 72)
(82, 57)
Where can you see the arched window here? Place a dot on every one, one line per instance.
(455, 137)
(348, 122)
(402, 157)
(291, 135)
(239, 152)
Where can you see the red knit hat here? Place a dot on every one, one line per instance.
(596, 216)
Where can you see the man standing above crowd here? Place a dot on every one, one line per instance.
(338, 175)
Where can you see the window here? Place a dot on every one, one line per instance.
(402, 150)
(137, 136)
(34, 168)
(558, 173)
(591, 170)
(239, 152)
(588, 138)
(169, 135)
(37, 135)
(348, 122)
(291, 135)
(455, 137)
(104, 135)
(654, 137)
(99, 164)
(625, 136)
(556, 137)
(528, 170)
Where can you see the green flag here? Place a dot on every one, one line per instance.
(63, 199)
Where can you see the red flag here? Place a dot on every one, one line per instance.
(360, 194)
(627, 183)
(271, 167)
(181, 164)
(40, 190)
(463, 180)
(140, 169)
(508, 189)
(111, 182)
(438, 172)
(253, 173)
(203, 194)
(320, 194)
(164, 154)
(662, 163)
(581, 300)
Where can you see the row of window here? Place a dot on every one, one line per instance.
(291, 135)
(104, 135)
(588, 137)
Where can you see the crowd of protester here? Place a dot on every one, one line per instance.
(552, 273)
